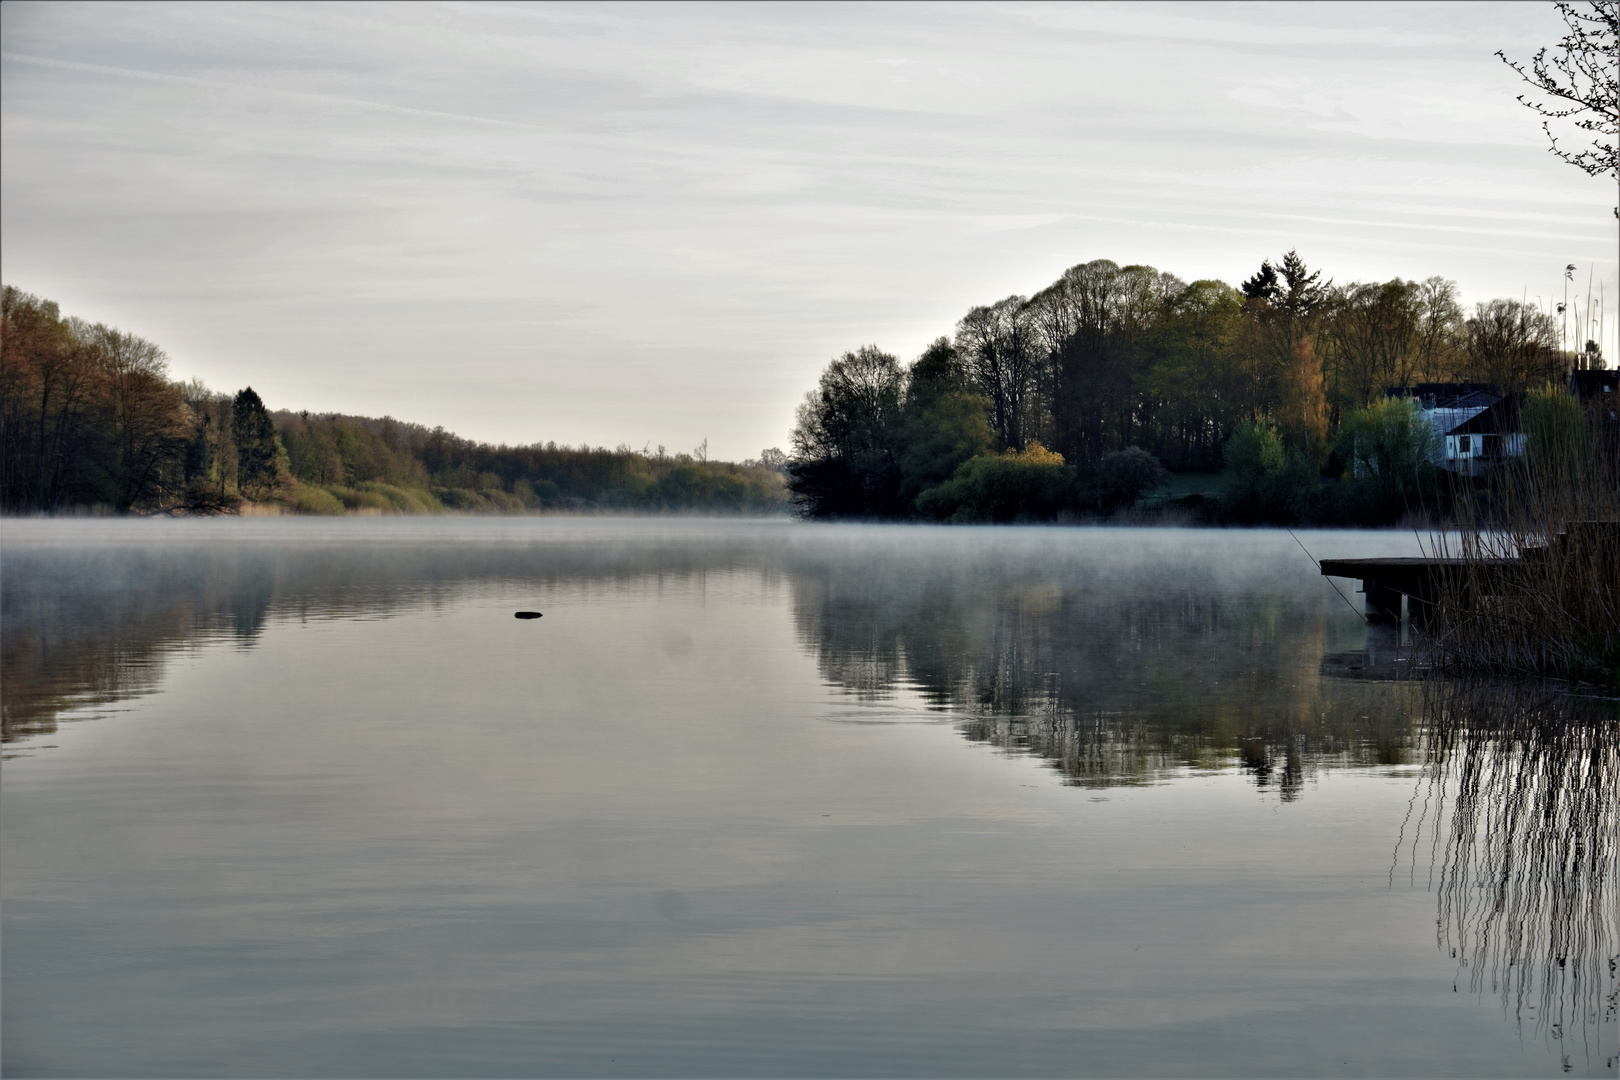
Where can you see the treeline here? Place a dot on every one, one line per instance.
(1076, 399)
(90, 418)
(388, 465)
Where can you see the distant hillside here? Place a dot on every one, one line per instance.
(90, 419)
(391, 466)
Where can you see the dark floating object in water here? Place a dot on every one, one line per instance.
(526, 614)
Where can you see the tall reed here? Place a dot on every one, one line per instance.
(1535, 586)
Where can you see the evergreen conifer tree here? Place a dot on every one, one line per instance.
(255, 438)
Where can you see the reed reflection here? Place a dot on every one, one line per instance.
(1518, 819)
(1113, 681)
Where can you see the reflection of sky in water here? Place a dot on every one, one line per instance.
(715, 813)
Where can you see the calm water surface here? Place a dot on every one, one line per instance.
(303, 798)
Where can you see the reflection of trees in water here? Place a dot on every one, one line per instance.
(1527, 863)
(95, 628)
(89, 627)
(1130, 681)
(1114, 681)
(1115, 678)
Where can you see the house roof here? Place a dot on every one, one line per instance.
(1444, 421)
(1500, 419)
(1587, 385)
(1448, 395)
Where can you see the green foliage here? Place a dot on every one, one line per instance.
(88, 417)
(1388, 441)
(401, 500)
(1033, 485)
(386, 466)
(1389, 453)
(713, 486)
(939, 371)
(1196, 380)
(1111, 356)
(1254, 452)
(1558, 437)
(536, 493)
(472, 500)
(1266, 482)
(308, 499)
(346, 450)
(372, 497)
(1124, 476)
(939, 435)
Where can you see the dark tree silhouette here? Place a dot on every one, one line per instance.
(1264, 285)
(255, 438)
(1124, 476)
(846, 439)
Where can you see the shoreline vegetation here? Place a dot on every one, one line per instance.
(1535, 589)
(1063, 407)
(1117, 393)
(91, 423)
(1285, 400)
(1308, 399)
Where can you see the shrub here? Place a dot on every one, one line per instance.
(1253, 451)
(309, 499)
(402, 500)
(1125, 476)
(1032, 485)
(467, 500)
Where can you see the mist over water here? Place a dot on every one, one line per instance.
(304, 798)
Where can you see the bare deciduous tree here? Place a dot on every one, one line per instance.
(998, 343)
(1512, 345)
(1581, 84)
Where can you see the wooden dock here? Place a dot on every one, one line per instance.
(1386, 581)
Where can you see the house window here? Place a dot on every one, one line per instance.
(1465, 444)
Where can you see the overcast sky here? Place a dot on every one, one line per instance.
(656, 224)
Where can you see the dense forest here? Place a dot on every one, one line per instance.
(1268, 402)
(90, 419)
(1081, 398)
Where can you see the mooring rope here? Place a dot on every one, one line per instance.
(1330, 581)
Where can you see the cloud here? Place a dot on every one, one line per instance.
(606, 223)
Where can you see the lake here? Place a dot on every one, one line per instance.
(302, 798)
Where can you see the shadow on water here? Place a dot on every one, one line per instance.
(1517, 823)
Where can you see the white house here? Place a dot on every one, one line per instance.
(1484, 440)
(1475, 427)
